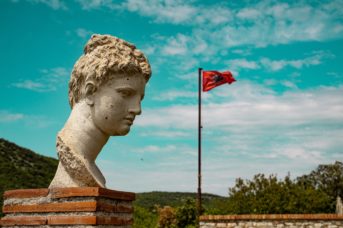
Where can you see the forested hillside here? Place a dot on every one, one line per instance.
(22, 168)
(174, 199)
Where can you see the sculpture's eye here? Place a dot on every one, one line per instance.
(125, 92)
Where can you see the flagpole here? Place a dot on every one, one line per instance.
(199, 146)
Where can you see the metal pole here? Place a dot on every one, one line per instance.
(199, 148)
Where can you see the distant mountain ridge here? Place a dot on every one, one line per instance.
(21, 168)
(149, 200)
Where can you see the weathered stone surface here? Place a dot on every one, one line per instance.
(91, 191)
(339, 206)
(105, 91)
(279, 221)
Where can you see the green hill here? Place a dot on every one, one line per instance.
(149, 200)
(22, 168)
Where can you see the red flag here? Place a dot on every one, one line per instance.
(212, 79)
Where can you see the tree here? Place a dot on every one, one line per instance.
(144, 218)
(186, 214)
(268, 195)
(166, 217)
(326, 178)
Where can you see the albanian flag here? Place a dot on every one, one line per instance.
(212, 79)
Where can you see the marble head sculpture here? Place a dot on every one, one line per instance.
(105, 92)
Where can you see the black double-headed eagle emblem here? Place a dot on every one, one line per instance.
(218, 78)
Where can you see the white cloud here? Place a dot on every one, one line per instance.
(293, 108)
(30, 85)
(268, 64)
(172, 11)
(166, 134)
(49, 80)
(294, 153)
(254, 109)
(156, 149)
(174, 94)
(179, 116)
(289, 84)
(56, 72)
(242, 52)
(83, 33)
(212, 16)
(177, 45)
(180, 12)
(259, 25)
(276, 65)
(286, 22)
(54, 4)
(37, 121)
(242, 63)
(95, 4)
(6, 117)
(249, 13)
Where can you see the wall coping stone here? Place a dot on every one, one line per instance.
(57, 193)
(214, 218)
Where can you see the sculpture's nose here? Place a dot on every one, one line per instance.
(135, 108)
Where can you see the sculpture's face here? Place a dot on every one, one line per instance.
(116, 104)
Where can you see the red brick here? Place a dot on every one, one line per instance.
(114, 208)
(26, 193)
(91, 191)
(113, 221)
(72, 220)
(129, 196)
(52, 207)
(23, 220)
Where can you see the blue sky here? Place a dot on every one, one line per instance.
(284, 113)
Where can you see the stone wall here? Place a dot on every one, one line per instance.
(279, 221)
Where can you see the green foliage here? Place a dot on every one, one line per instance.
(186, 214)
(265, 195)
(144, 218)
(328, 179)
(22, 168)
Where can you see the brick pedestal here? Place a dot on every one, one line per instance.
(67, 207)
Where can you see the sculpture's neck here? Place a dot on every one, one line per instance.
(81, 135)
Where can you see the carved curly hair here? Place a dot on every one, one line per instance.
(104, 56)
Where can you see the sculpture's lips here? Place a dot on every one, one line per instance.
(130, 119)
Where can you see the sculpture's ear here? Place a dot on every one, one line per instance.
(90, 89)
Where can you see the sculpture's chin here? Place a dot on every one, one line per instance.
(122, 132)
